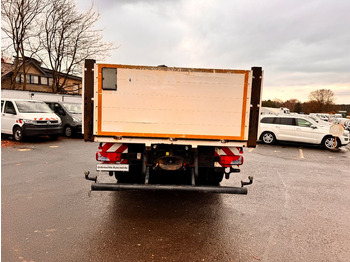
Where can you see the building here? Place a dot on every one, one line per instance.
(38, 78)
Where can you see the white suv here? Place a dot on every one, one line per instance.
(22, 118)
(298, 128)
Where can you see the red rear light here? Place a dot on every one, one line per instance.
(227, 161)
(108, 156)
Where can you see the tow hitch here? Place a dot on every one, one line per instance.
(87, 173)
(247, 183)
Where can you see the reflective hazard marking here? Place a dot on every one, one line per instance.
(229, 151)
(115, 148)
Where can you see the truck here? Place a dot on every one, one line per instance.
(169, 128)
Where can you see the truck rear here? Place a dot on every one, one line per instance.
(170, 128)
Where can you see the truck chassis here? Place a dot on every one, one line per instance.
(140, 165)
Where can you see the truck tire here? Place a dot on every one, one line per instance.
(133, 176)
(268, 138)
(207, 176)
(17, 134)
(328, 142)
(122, 177)
(214, 178)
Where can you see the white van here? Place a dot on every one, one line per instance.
(22, 118)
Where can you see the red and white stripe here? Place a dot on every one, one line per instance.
(114, 148)
(235, 152)
(229, 151)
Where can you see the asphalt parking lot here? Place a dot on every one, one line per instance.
(297, 209)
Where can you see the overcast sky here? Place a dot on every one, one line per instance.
(301, 45)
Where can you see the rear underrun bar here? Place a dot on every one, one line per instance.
(177, 188)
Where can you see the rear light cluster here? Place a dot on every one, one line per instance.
(108, 157)
(228, 156)
(227, 161)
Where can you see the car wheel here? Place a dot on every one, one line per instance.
(268, 138)
(329, 142)
(17, 134)
(68, 132)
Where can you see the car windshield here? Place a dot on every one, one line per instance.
(313, 118)
(73, 108)
(33, 107)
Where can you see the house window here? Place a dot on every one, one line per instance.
(28, 79)
(49, 81)
(19, 78)
(34, 79)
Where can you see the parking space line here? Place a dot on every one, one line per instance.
(301, 154)
(251, 150)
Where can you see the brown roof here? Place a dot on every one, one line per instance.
(6, 68)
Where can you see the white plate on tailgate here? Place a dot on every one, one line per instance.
(112, 167)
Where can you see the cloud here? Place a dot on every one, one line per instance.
(300, 44)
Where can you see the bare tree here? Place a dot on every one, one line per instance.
(69, 38)
(291, 104)
(323, 98)
(20, 27)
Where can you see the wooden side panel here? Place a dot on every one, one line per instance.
(88, 94)
(255, 105)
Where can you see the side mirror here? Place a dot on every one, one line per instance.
(313, 127)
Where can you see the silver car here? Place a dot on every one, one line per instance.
(70, 114)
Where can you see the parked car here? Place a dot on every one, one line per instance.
(298, 128)
(70, 114)
(344, 122)
(322, 116)
(318, 120)
(22, 118)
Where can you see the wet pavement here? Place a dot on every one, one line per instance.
(297, 209)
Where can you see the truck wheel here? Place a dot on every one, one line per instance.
(329, 141)
(122, 177)
(68, 131)
(133, 176)
(17, 134)
(136, 173)
(268, 138)
(207, 176)
(214, 178)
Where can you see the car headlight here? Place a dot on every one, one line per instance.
(28, 121)
(75, 119)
